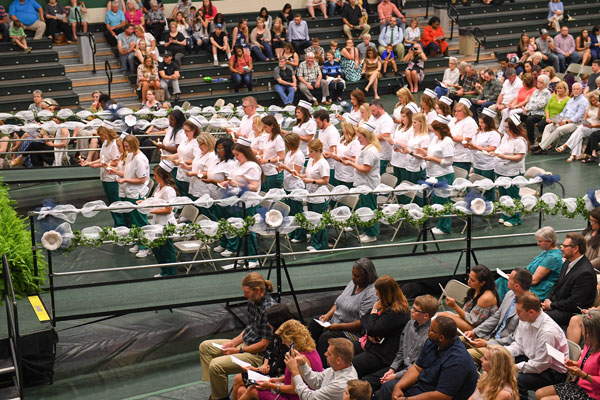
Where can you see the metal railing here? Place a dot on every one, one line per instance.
(453, 15)
(92, 40)
(109, 75)
(480, 38)
(12, 321)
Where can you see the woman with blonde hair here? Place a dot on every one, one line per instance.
(417, 139)
(484, 143)
(147, 77)
(399, 139)
(498, 381)
(198, 170)
(463, 127)
(348, 148)
(404, 97)
(292, 333)
(365, 114)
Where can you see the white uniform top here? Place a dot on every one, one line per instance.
(400, 136)
(166, 194)
(345, 173)
(309, 128)
(291, 182)
(246, 125)
(136, 166)
(510, 146)
(430, 117)
(383, 124)
(258, 142)
(354, 114)
(316, 170)
(329, 137)
(415, 164)
(108, 153)
(246, 172)
(201, 163)
(368, 156)
(397, 112)
(442, 149)
(173, 140)
(270, 149)
(187, 151)
(466, 128)
(60, 152)
(482, 160)
(218, 170)
(121, 168)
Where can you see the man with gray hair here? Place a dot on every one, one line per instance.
(545, 45)
(309, 77)
(362, 47)
(115, 23)
(510, 89)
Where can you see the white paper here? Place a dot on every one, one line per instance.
(556, 354)
(255, 376)
(189, 245)
(218, 346)
(463, 335)
(239, 362)
(323, 324)
(501, 273)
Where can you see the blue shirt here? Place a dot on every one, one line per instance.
(575, 108)
(334, 70)
(450, 371)
(114, 19)
(27, 12)
(558, 6)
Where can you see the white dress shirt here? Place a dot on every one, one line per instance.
(329, 384)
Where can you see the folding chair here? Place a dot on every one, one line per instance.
(285, 242)
(350, 201)
(460, 172)
(455, 289)
(196, 247)
(391, 181)
(411, 196)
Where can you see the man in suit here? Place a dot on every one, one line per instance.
(500, 327)
(576, 286)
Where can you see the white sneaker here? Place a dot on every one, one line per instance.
(227, 267)
(158, 276)
(143, 253)
(368, 239)
(216, 63)
(348, 229)
(226, 253)
(253, 264)
(501, 221)
(308, 235)
(134, 249)
(508, 224)
(437, 231)
(219, 249)
(310, 248)
(295, 240)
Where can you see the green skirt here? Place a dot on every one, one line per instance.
(369, 201)
(513, 192)
(489, 195)
(272, 182)
(444, 224)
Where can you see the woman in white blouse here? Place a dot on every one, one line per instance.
(174, 136)
(357, 99)
(217, 171)
(404, 97)
(399, 139)
(438, 164)
(367, 174)
(134, 183)
(109, 157)
(305, 126)
(292, 167)
(204, 160)
(450, 78)
(164, 216)
(348, 148)
(273, 151)
(412, 34)
(183, 158)
(463, 127)
(415, 166)
(246, 175)
(510, 162)
(315, 176)
(428, 102)
(485, 141)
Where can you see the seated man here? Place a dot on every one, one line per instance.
(536, 368)
(510, 88)
(576, 285)
(30, 14)
(297, 34)
(444, 369)
(126, 45)
(500, 327)
(564, 47)
(362, 46)
(285, 82)
(353, 20)
(392, 35)
(412, 339)
(566, 122)
(545, 45)
(248, 346)
(329, 384)
(386, 10)
(219, 42)
(114, 22)
(309, 75)
(317, 50)
(488, 93)
(169, 75)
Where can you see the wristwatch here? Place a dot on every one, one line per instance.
(241, 349)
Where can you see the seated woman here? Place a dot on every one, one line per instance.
(383, 328)
(590, 123)
(415, 71)
(55, 15)
(450, 78)
(355, 302)
(433, 39)
(545, 268)
(334, 83)
(147, 77)
(481, 301)
(499, 380)
(372, 70)
(260, 40)
(592, 236)
(240, 65)
(133, 14)
(517, 105)
(293, 334)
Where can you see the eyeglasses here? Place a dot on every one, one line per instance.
(220, 149)
(414, 309)
(432, 331)
(562, 246)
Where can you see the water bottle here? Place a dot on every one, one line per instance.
(269, 86)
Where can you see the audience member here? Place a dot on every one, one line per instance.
(576, 286)
(350, 62)
(590, 123)
(564, 46)
(218, 19)
(592, 85)
(248, 346)
(364, 45)
(372, 70)
(55, 16)
(433, 39)
(353, 19)
(499, 328)
(498, 380)
(332, 75)
(133, 14)
(556, 13)
(297, 34)
(290, 56)
(264, 14)
(412, 34)
(38, 98)
(326, 385)
(286, 14)
(278, 37)
(115, 23)
(536, 106)
(388, 57)
(536, 368)
(4, 22)
(392, 35)
(240, 66)
(321, 4)
(545, 45)
(220, 44)
(182, 6)
(517, 104)
(582, 46)
(155, 20)
(386, 10)
(127, 45)
(358, 390)
(316, 49)
(443, 369)
(450, 78)
(30, 14)
(592, 237)
(285, 82)
(168, 70)
(210, 11)
(18, 36)
(510, 90)
(412, 340)
(240, 36)
(488, 93)
(309, 75)
(147, 77)
(466, 84)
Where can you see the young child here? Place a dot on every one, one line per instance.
(77, 11)
(358, 390)
(17, 34)
(388, 57)
(337, 55)
(531, 47)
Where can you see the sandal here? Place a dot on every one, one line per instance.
(588, 160)
(570, 159)
(560, 149)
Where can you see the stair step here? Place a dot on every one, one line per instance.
(41, 56)
(9, 393)
(34, 44)
(6, 366)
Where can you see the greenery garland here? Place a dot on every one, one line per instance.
(195, 231)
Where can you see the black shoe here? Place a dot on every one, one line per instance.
(177, 97)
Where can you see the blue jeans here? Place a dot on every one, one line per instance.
(5, 32)
(475, 107)
(440, 91)
(127, 62)
(286, 93)
(336, 89)
(331, 5)
(262, 55)
(239, 80)
(563, 61)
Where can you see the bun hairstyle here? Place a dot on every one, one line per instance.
(255, 280)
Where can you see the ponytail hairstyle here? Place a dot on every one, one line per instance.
(166, 177)
(254, 280)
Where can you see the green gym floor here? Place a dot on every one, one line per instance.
(173, 372)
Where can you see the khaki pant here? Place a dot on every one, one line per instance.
(216, 367)
(38, 26)
(476, 354)
(348, 31)
(552, 132)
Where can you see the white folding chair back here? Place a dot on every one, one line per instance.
(195, 246)
(460, 172)
(391, 181)
(411, 195)
(455, 289)
(350, 201)
(189, 213)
